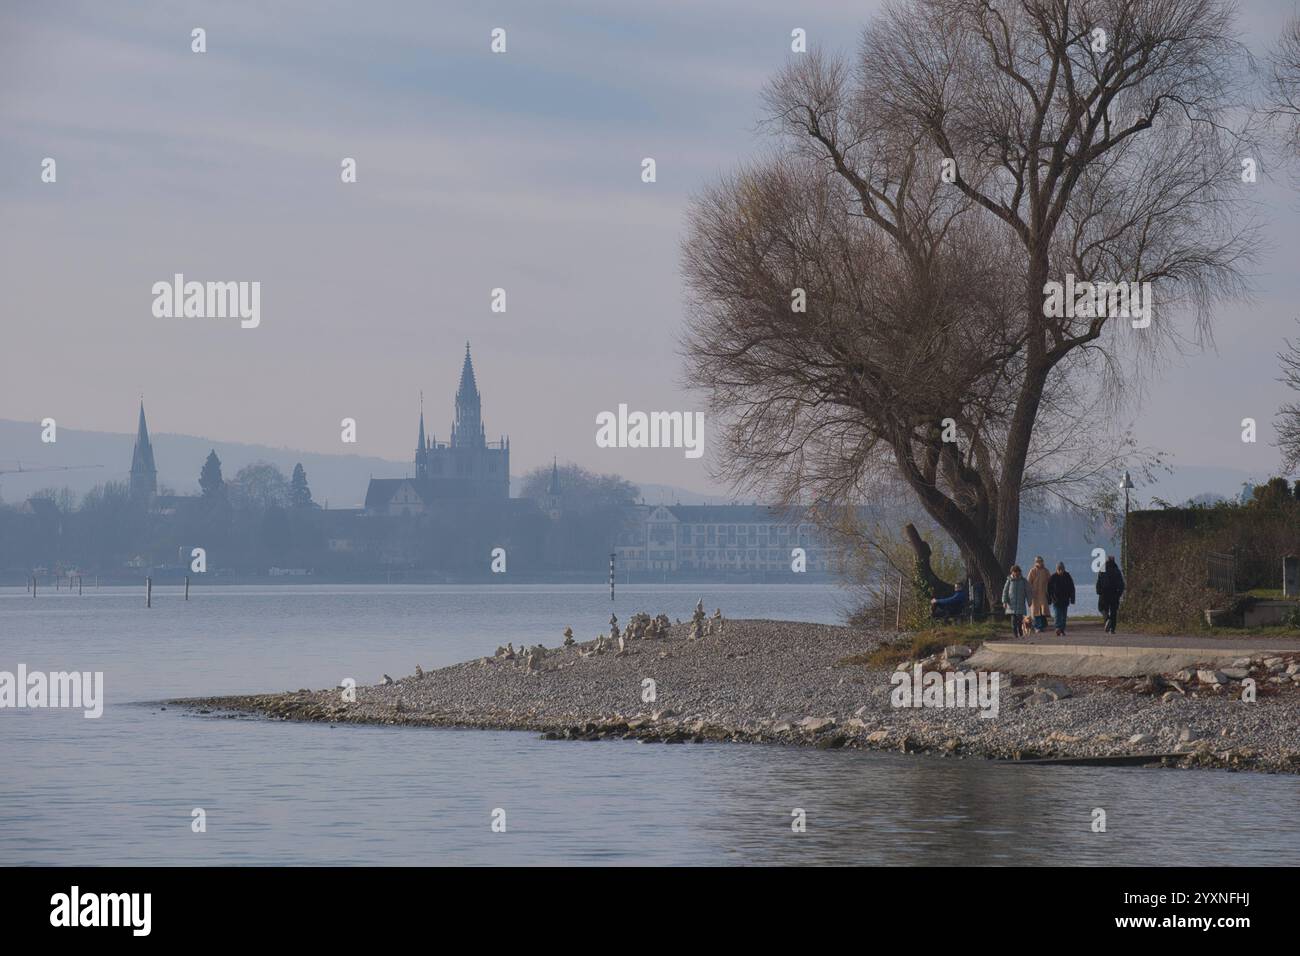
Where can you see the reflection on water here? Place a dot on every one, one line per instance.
(121, 790)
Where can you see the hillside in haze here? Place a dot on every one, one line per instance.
(339, 480)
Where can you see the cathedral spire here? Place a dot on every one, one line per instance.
(421, 447)
(144, 475)
(467, 431)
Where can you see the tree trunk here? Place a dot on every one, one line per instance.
(938, 587)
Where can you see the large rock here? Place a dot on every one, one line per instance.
(1057, 689)
(1206, 676)
(1187, 735)
(1236, 673)
(815, 725)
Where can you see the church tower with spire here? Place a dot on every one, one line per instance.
(468, 467)
(144, 475)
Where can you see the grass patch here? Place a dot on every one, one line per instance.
(922, 644)
(1227, 633)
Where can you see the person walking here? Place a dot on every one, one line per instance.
(1110, 587)
(1060, 595)
(1014, 595)
(1038, 578)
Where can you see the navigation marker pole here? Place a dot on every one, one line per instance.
(611, 575)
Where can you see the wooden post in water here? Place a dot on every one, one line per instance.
(33, 585)
(187, 587)
(78, 585)
(148, 592)
(611, 575)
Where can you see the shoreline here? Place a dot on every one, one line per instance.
(791, 683)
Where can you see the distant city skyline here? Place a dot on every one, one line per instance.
(475, 172)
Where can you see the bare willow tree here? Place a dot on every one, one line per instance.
(1283, 87)
(1287, 423)
(916, 203)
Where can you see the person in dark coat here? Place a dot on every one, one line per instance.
(1110, 587)
(1060, 594)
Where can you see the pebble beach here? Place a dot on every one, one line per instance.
(788, 683)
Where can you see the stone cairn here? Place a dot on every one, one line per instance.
(697, 622)
(640, 627)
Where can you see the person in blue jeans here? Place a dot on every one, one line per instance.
(951, 606)
(1060, 594)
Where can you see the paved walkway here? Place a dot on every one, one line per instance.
(1090, 632)
(1087, 651)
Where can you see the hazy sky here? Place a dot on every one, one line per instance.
(475, 171)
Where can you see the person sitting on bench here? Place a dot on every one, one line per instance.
(952, 606)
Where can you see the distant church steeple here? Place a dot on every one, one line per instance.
(144, 476)
(553, 502)
(467, 431)
(421, 448)
(466, 467)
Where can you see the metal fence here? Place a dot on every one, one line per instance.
(1221, 570)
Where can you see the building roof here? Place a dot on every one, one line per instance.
(430, 491)
(380, 491)
(735, 514)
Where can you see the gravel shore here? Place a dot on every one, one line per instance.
(789, 683)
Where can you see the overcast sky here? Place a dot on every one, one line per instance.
(475, 171)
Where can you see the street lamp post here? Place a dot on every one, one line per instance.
(1127, 485)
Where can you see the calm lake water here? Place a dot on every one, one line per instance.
(121, 789)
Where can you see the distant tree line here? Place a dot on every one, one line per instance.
(260, 518)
